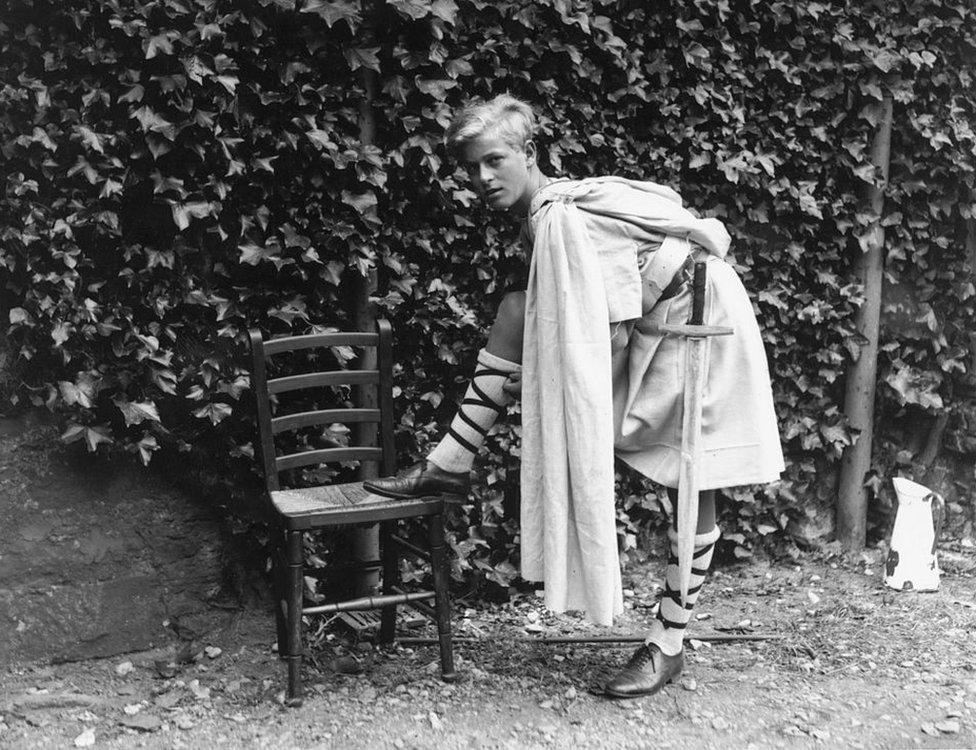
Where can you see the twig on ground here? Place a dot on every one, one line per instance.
(722, 638)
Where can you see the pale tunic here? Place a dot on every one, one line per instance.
(620, 257)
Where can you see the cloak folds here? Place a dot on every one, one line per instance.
(578, 283)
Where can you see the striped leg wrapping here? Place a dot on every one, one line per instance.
(482, 404)
(673, 616)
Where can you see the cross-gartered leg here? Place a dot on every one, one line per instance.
(446, 469)
(661, 658)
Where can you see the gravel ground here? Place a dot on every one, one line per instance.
(852, 665)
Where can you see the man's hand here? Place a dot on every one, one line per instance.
(513, 385)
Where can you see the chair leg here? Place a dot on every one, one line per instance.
(294, 557)
(442, 600)
(391, 577)
(278, 574)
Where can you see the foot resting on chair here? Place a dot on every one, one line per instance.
(423, 478)
(648, 670)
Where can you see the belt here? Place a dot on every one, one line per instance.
(681, 277)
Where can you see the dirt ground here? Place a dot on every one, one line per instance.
(851, 665)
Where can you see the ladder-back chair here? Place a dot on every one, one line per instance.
(303, 509)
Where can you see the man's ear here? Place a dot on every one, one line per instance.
(530, 152)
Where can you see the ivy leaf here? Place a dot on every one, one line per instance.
(364, 203)
(145, 448)
(885, 60)
(320, 138)
(196, 69)
(216, 412)
(137, 412)
(152, 122)
(183, 212)
(458, 68)
(165, 380)
(133, 94)
(229, 83)
(19, 316)
(91, 139)
(835, 435)
(435, 87)
(332, 11)
(362, 57)
(916, 387)
(159, 44)
(110, 188)
(413, 9)
(446, 10)
(61, 332)
(93, 436)
(81, 393)
(397, 88)
(252, 254)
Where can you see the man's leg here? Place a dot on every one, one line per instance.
(448, 464)
(661, 658)
(673, 616)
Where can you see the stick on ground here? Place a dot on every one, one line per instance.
(712, 638)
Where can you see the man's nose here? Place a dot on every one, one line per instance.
(484, 174)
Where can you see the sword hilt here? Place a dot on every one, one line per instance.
(698, 295)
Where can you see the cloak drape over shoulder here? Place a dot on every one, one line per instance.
(579, 282)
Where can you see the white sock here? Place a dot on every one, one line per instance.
(668, 630)
(482, 404)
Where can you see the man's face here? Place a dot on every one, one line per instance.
(499, 172)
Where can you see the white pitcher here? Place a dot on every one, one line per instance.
(912, 564)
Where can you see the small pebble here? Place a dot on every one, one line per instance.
(124, 668)
(948, 726)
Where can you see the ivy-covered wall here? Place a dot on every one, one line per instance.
(178, 170)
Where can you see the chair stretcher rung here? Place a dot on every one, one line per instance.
(422, 607)
(422, 554)
(369, 602)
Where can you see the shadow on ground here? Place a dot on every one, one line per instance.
(97, 562)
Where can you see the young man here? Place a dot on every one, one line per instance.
(610, 262)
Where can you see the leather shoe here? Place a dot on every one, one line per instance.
(421, 479)
(648, 670)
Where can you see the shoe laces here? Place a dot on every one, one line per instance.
(642, 657)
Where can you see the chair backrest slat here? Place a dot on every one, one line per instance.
(312, 340)
(316, 379)
(371, 398)
(323, 416)
(326, 455)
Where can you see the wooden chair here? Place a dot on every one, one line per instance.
(328, 505)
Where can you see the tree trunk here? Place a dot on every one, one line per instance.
(363, 542)
(862, 377)
(971, 255)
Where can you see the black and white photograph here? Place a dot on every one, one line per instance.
(515, 374)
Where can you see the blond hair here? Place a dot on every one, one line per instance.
(503, 116)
